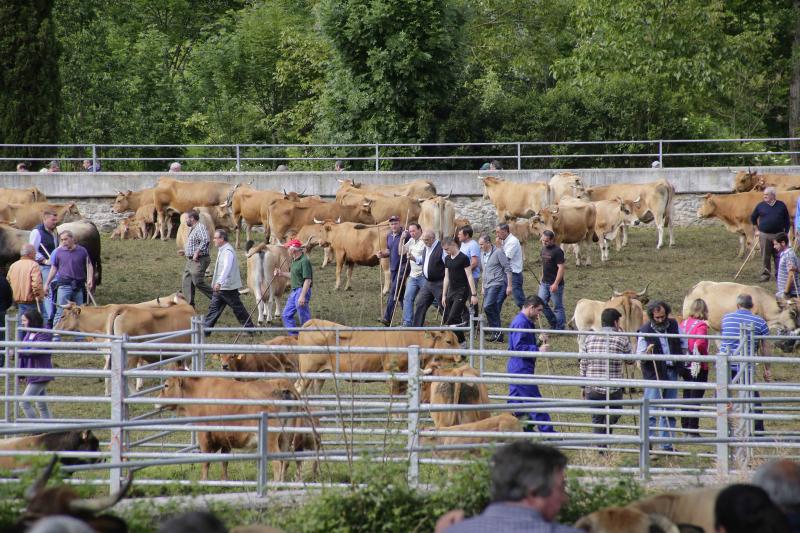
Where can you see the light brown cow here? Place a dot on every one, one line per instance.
(573, 223)
(686, 507)
(439, 393)
(27, 216)
(565, 184)
(383, 207)
(648, 201)
(745, 181)
(181, 196)
(625, 520)
(438, 214)
(347, 362)
(310, 234)
(221, 216)
(127, 228)
(214, 441)
(611, 217)
(505, 423)
(629, 303)
(512, 199)
(132, 200)
(22, 196)
(67, 441)
(734, 211)
(416, 190)
(286, 214)
(262, 260)
(354, 244)
(251, 207)
(184, 230)
(263, 362)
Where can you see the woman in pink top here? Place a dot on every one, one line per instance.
(695, 324)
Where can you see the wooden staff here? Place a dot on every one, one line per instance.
(753, 249)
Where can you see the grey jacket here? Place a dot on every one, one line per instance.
(496, 268)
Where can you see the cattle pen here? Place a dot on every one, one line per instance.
(355, 425)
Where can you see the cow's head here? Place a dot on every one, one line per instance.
(174, 387)
(70, 317)
(626, 213)
(122, 201)
(488, 183)
(537, 224)
(324, 230)
(746, 180)
(364, 212)
(224, 215)
(444, 340)
(708, 207)
(230, 361)
(641, 295)
(787, 323)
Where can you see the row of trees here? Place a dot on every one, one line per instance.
(361, 71)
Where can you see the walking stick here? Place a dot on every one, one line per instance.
(753, 249)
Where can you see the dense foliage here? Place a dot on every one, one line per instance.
(365, 71)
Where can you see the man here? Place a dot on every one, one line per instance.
(394, 241)
(338, 166)
(528, 490)
(552, 284)
(54, 166)
(22, 167)
(432, 262)
(769, 218)
(25, 278)
(197, 258)
(470, 247)
(414, 249)
(510, 245)
(781, 480)
(226, 283)
(788, 266)
(301, 276)
(44, 240)
(604, 369)
(525, 341)
(88, 166)
(175, 167)
(731, 324)
(660, 322)
(70, 275)
(496, 285)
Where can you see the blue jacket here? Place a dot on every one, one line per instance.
(522, 342)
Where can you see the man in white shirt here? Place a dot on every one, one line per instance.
(513, 250)
(415, 249)
(226, 284)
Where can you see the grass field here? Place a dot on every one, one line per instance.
(138, 270)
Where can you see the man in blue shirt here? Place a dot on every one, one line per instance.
(769, 218)
(731, 324)
(397, 262)
(525, 341)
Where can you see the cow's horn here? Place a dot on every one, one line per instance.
(553, 209)
(284, 192)
(308, 241)
(318, 221)
(302, 193)
(448, 194)
(40, 483)
(339, 220)
(95, 505)
(644, 291)
(638, 199)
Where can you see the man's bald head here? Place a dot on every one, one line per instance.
(27, 250)
(428, 237)
(781, 480)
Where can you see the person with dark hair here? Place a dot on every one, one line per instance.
(528, 489)
(226, 283)
(33, 357)
(193, 522)
(525, 341)
(513, 250)
(397, 270)
(552, 284)
(495, 165)
(781, 480)
(338, 166)
(743, 508)
(659, 322)
(495, 284)
(71, 274)
(786, 274)
(769, 218)
(88, 166)
(44, 240)
(413, 250)
(603, 342)
(458, 287)
(197, 258)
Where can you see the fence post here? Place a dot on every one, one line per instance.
(644, 435)
(15, 381)
(201, 340)
(723, 373)
(94, 157)
(413, 415)
(481, 343)
(10, 336)
(263, 479)
(118, 392)
(471, 338)
(238, 159)
(377, 158)
(661, 154)
(519, 156)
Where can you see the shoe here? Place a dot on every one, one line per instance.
(384, 322)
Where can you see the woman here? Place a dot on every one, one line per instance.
(459, 286)
(37, 385)
(695, 324)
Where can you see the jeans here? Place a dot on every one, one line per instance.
(666, 423)
(387, 314)
(413, 285)
(35, 389)
(47, 304)
(64, 294)
(558, 319)
(598, 419)
(493, 299)
(291, 308)
(21, 310)
(222, 298)
(516, 289)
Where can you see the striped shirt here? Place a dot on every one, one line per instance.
(603, 368)
(197, 240)
(732, 322)
(787, 259)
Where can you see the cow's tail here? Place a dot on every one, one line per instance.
(259, 292)
(112, 317)
(571, 324)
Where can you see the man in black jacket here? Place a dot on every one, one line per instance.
(660, 323)
(432, 262)
(769, 218)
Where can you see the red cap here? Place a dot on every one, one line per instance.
(294, 243)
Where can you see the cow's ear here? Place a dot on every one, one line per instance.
(239, 356)
(427, 371)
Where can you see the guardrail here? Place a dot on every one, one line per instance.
(384, 427)
(519, 154)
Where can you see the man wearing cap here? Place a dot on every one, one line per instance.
(302, 278)
(397, 262)
(226, 283)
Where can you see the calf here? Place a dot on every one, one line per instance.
(454, 393)
(263, 362)
(72, 441)
(504, 422)
(262, 261)
(624, 520)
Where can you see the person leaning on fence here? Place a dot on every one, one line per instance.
(781, 480)
(495, 284)
(226, 283)
(788, 266)
(31, 357)
(25, 278)
(695, 372)
(528, 489)
(302, 278)
(525, 341)
(604, 369)
(743, 508)
(731, 325)
(70, 275)
(660, 322)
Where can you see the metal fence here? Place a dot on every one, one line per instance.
(445, 156)
(356, 423)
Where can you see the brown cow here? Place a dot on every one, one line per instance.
(383, 207)
(611, 216)
(310, 235)
(504, 422)
(416, 190)
(573, 223)
(354, 244)
(286, 214)
(310, 335)
(438, 214)
(512, 199)
(686, 507)
(262, 260)
(216, 388)
(141, 202)
(251, 207)
(454, 393)
(746, 180)
(184, 229)
(181, 196)
(565, 184)
(629, 303)
(263, 362)
(27, 216)
(22, 196)
(625, 520)
(65, 441)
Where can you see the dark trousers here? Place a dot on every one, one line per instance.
(455, 309)
(222, 298)
(768, 254)
(194, 276)
(692, 422)
(396, 279)
(597, 396)
(2, 337)
(430, 293)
